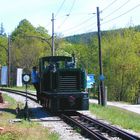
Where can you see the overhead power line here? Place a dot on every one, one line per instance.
(122, 14)
(57, 11)
(116, 10)
(85, 21)
(67, 15)
(109, 5)
(60, 8)
(86, 27)
(80, 24)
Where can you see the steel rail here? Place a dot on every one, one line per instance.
(92, 125)
(8, 89)
(91, 133)
(19, 92)
(118, 132)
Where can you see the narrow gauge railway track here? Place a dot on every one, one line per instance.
(95, 129)
(89, 127)
(22, 93)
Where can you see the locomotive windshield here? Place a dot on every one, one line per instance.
(57, 62)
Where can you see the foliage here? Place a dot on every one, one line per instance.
(121, 65)
(28, 45)
(82, 38)
(86, 56)
(86, 38)
(3, 46)
(3, 50)
(120, 55)
(2, 29)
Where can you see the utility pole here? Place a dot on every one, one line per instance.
(9, 59)
(101, 78)
(53, 49)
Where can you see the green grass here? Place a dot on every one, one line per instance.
(27, 131)
(24, 130)
(11, 102)
(29, 87)
(114, 115)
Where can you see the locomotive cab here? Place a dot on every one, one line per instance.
(62, 85)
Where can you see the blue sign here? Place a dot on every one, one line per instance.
(4, 75)
(90, 80)
(102, 78)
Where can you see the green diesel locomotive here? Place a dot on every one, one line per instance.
(62, 85)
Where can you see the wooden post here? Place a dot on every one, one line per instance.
(1, 98)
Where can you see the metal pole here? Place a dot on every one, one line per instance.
(99, 95)
(9, 60)
(100, 60)
(53, 49)
(26, 106)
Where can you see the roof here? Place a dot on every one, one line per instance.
(56, 58)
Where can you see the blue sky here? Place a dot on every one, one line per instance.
(71, 16)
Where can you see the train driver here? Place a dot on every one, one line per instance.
(35, 80)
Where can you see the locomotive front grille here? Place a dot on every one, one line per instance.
(68, 82)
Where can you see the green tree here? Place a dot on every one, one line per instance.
(3, 46)
(28, 45)
(2, 29)
(121, 65)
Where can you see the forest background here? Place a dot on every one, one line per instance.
(120, 55)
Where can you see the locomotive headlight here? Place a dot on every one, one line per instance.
(71, 100)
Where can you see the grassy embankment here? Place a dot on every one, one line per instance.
(117, 116)
(21, 131)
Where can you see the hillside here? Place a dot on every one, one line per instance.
(86, 37)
